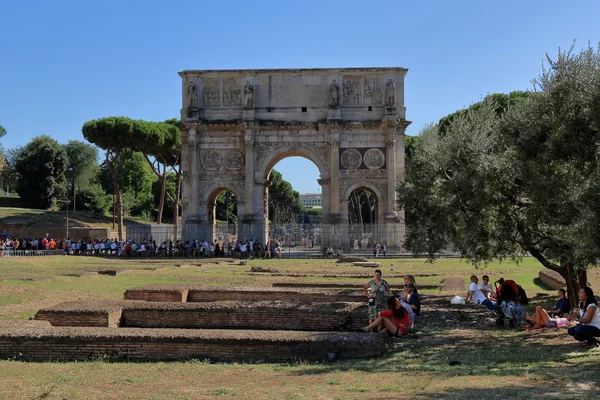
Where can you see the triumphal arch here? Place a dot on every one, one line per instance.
(350, 122)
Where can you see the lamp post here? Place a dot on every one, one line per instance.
(70, 170)
(74, 198)
(228, 195)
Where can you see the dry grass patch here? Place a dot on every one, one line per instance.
(500, 363)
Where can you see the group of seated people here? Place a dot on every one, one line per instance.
(395, 315)
(389, 314)
(583, 322)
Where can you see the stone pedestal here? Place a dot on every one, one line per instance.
(335, 114)
(248, 114)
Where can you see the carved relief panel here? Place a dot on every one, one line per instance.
(211, 94)
(231, 93)
(351, 90)
(223, 164)
(211, 160)
(351, 159)
(374, 159)
(372, 92)
(362, 158)
(234, 160)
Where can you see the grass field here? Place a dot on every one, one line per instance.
(474, 359)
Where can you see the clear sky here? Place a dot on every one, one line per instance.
(68, 61)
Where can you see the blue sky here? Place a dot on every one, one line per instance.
(65, 62)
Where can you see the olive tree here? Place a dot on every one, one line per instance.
(502, 180)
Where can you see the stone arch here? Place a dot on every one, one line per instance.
(211, 202)
(356, 185)
(210, 191)
(270, 160)
(267, 164)
(364, 233)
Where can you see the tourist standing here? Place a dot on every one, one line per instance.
(376, 291)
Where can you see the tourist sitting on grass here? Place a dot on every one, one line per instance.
(409, 310)
(477, 297)
(376, 291)
(545, 318)
(486, 288)
(588, 324)
(404, 294)
(394, 321)
(413, 299)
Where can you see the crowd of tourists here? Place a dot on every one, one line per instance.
(131, 248)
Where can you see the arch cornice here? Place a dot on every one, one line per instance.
(269, 125)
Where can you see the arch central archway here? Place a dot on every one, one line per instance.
(285, 213)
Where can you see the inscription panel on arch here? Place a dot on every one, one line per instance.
(362, 158)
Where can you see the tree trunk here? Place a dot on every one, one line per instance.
(163, 191)
(576, 278)
(118, 199)
(162, 177)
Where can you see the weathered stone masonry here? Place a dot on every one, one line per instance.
(238, 124)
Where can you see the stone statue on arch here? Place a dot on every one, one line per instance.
(248, 95)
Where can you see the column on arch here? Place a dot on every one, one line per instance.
(246, 212)
(189, 189)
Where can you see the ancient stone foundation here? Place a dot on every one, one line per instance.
(188, 321)
(38, 341)
(197, 293)
(267, 315)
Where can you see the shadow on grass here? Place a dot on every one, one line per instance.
(481, 350)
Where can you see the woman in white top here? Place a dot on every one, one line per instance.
(588, 323)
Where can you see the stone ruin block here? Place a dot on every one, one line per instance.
(552, 279)
(83, 313)
(26, 341)
(198, 293)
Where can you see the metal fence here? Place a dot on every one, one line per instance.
(30, 253)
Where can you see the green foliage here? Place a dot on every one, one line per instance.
(135, 180)
(410, 142)
(9, 176)
(312, 215)
(362, 207)
(284, 201)
(93, 198)
(499, 101)
(170, 189)
(83, 159)
(524, 179)
(113, 134)
(223, 205)
(42, 167)
(2, 131)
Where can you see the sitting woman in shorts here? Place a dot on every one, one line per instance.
(395, 320)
